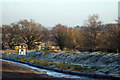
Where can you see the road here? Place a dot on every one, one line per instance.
(13, 71)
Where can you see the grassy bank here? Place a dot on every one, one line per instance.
(92, 58)
(60, 65)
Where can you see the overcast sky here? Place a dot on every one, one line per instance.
(51, 12)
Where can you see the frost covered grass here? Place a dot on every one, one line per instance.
(95, 62)
(60, 65)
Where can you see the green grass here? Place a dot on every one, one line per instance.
(108, 53)
(48, 51)
(118, 53)
(10, 51)
(102, 52)
(112, 53)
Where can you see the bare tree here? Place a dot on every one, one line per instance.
(31, 32)
(59, 34)
(113, 37)
(93, 23)
(71, 39)
(23, 32)
(10, 35)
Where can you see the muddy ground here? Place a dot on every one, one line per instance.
(12, 71)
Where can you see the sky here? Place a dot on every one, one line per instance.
(52, 12)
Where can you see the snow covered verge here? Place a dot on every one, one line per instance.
(89, 62)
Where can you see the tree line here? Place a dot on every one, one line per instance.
(92, 36)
